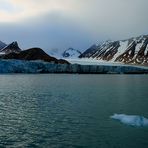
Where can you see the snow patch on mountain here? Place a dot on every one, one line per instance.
(121, 49)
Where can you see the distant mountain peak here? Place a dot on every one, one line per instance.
(71, 53)
(12, 47)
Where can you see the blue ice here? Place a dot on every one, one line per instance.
(133, 120)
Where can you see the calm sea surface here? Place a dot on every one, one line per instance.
(72, 111)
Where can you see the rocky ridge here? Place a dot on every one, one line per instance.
(130, 51)
(10, 48)
(33, 54)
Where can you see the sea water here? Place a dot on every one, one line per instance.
(72, 111)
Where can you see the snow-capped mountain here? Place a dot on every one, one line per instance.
(130, 51)
(13, 47)
(71, 53)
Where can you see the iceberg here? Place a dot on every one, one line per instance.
(132, 120)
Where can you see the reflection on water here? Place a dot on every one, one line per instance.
(71, 110)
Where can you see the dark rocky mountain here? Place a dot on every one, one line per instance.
(130, 51)
(11, 48)
(71, 53)
(33, 54)
(2, 45)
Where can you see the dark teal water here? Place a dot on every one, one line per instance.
(72, 111)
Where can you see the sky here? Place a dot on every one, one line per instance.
(60, 24)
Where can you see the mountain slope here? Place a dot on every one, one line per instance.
(130, 51)
(13, 47)
(33, 54)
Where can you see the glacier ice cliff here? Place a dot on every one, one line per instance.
(22, 66)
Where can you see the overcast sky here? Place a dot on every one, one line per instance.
(71, 23)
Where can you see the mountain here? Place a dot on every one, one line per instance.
(67, 54)
(71, 53)
(2, 45)
(10, 48)
(31, 55)
(130, 51)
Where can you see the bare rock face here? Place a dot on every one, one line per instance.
(130, 51)
(11, 48)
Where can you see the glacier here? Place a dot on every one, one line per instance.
(132, 120)
(38, 66)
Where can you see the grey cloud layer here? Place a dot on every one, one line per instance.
(84, 23)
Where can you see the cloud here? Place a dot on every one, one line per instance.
(30, 8)
(64, 23)
(59, 33)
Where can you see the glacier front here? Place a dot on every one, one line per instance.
(22, 66)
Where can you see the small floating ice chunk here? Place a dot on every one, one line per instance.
(133, 120)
